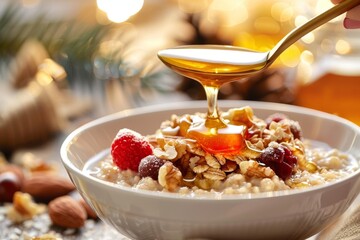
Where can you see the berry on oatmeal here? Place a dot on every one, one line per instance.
(289, 157)
(128, 148)
(295, 129)
(283, 170)
(276, 117)
(280, 159)
(149, 166)
(272, 154)
(279, 117)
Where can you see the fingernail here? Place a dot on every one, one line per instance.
(351, 24)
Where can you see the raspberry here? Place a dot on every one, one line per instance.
(128, 148)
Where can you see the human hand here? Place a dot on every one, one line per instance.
(352, 18)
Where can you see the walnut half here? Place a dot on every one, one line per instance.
(252, 168)
(170, 177)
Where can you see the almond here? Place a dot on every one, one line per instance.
(66, 212)
(46, 187)
(90, 212)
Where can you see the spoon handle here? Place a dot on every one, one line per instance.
(302, 30)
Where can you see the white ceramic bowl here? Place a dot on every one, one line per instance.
(141, 214)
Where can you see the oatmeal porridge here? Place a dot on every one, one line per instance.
(270, 155)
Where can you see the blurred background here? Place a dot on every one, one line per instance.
(63, 63)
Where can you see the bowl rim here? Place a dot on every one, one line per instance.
(184, 105)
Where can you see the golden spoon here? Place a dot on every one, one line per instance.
(216, 64)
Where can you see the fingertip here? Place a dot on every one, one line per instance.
(351, 23)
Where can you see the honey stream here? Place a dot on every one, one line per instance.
(201, 63)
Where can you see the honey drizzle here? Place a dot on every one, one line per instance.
(214, 135)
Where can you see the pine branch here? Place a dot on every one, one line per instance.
(75, 46)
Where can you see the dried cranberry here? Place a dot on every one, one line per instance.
(271, 154)
(149, 166)
(295, 129)
(283, 170)
(279, 159)
(289, 157)
(292, 160)
(9, 184)
(287, 151)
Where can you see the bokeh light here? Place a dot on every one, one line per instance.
(120, 11)
(342, 47)
(193, 6)
(227, 12)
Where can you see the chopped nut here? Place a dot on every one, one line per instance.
(280, 131)
(168, 153)
(173, 149)
(184, 123)
(170, 176)
(23, 208)
(32, 163)
(161, 142)
(252, 168)
(170, 131)
(180, 146)
(47, 236)
(256, 143)
(240, 116)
